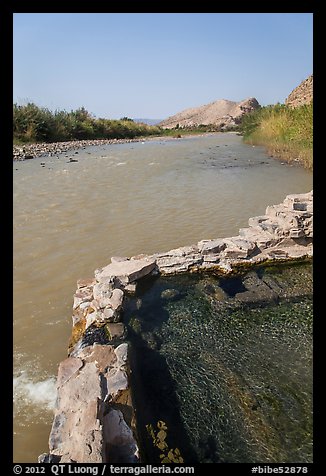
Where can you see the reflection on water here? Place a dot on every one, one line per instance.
(70, 218)
(232, 383)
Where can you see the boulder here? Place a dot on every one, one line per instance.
(102, 292)
(209, 247)
(116, 330)
(238, 247)
(126, 271)
(116, 299)
(262, 239)
(84, 384)
(177, 260)
(104, 356)
(117, 381)
(121, 353)
(77, 413)
(120, 444)
(82, 295)
(67, 369)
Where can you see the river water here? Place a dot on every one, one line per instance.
(124, 199)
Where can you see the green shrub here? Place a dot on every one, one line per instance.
(34, 124)
(286, 133)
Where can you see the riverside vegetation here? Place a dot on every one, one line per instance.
(286, 132)
(34, 124)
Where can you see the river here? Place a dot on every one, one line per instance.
(116, 200)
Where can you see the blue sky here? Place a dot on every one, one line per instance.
(153, 65)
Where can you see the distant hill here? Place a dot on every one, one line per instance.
(223, 114)
(150, 122)
(302, 94)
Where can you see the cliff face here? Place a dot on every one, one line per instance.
(220, 113)
(302, 94)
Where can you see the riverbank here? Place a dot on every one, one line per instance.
(286, 133)
(44, 149)
(93, 382)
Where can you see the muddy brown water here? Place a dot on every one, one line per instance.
(125, 199)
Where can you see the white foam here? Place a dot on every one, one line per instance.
(28, 392)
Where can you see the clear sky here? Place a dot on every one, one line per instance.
(153, 65)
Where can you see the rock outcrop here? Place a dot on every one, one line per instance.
(94, 417)
(222, 114)
(302, 94)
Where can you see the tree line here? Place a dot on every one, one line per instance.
(37, 124)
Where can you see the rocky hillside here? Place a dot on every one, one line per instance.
(302, 94)
(222, 114)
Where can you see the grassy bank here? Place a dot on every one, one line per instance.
(286, 133)
(32, 124)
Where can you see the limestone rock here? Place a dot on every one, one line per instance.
(256, 221)
(108, 314)
(77, 414)
(302, 94)
(130, 288)
(127, 271)
(103, 356)
(102, 293)
(82, 283)
(209, 259)
(85, 305)
(238, 247)
(168, 263)
(116, 299)
(209, 247)
(84, 383)
(48, 458)
(116, 330)
(121, 353)
(117, 381)
(262, 238)
(182, 251)
(67, 369)
(91, 318)
(257, 291)
(121, 446)
(82, 295)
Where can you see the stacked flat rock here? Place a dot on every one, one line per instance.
(93, 381)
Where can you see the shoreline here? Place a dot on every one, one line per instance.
(49, 149)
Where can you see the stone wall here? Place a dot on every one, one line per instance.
(94, 418)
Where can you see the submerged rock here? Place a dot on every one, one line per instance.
(170, 294)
